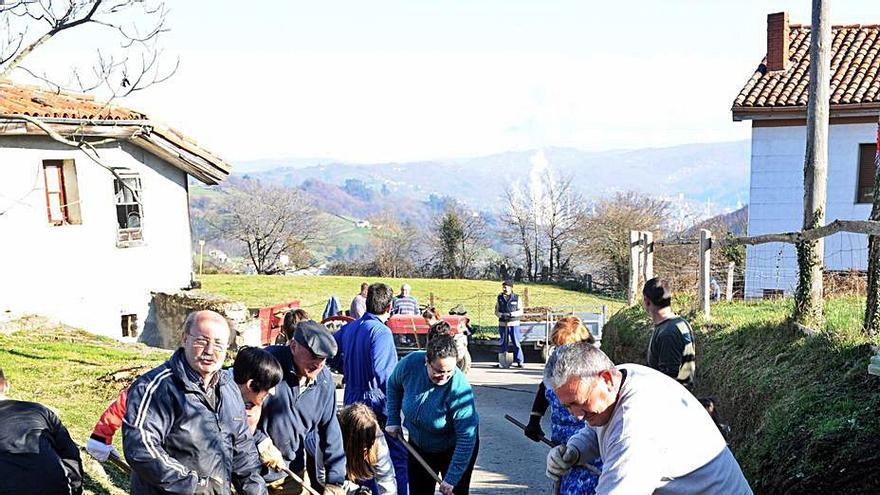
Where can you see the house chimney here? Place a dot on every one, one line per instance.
(777, 41)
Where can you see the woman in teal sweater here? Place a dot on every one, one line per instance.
(438, 404)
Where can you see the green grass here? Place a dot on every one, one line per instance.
(803, 409)
(67, 369)
(478, 296)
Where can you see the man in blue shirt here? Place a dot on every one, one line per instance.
(367, 357)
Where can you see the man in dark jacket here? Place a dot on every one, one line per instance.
(509, 312)
(36, 452)
(671, 349)
(185, 427)
(305, 400)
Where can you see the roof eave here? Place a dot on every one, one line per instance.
(741, 113)
(159, 140)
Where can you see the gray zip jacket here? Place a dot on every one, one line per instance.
(176, 441)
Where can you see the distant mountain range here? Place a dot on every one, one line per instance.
(711, 177)
(700, 180)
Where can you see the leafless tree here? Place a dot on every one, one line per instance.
(562, 209)
(394, 246)
(518, 224)
(269, 221)
(459, 237)
(603, 232)
(126, 33)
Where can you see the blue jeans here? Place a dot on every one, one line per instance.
(511, 336)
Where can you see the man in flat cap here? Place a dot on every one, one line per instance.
(305, 400)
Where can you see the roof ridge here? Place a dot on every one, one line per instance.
(837, 26)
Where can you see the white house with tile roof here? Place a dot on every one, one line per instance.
(77, 246)
(775, 101)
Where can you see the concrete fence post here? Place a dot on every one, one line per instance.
(728, 295)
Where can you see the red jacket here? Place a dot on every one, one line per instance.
(111, 420)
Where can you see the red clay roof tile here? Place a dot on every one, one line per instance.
(855, 63)
(37, 102)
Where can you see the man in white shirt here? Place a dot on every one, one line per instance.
(652, 434)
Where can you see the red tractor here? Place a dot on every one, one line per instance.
(411, 334)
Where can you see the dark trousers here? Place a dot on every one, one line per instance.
(510, 336)
(422, 483)
(399, 458)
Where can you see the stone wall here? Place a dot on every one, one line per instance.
(168, 311)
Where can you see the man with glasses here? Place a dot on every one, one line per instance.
(185, 428)
(653, 436)
(304, 401)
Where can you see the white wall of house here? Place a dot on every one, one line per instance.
(76, 273)
(776, 202)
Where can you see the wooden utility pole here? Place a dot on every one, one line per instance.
(634, 266)
(705, 273)
(808, 296)
(647, 255)
(872, 308)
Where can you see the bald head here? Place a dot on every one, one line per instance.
(205, 340)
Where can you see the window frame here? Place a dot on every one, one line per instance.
(860, 199)
(128, 236)
(62, 200)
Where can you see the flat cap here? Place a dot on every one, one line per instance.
(316, 338)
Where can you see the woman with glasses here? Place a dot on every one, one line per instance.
(438, 405)
(580, 480)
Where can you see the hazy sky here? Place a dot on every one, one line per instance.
(416, 79)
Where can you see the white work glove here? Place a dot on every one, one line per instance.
(560, 459)
(270, 455)
(446, 488)
(100, 450)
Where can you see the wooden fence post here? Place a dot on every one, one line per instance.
(728, 296)
(705, 265)
(634, 238)
(525, 298)
(431, 299)
(648, 255)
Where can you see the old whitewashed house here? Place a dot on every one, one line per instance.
(775, 101)
(75, 245)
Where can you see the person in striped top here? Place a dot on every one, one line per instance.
(405, 304)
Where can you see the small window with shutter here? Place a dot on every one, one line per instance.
(865, 193)
(62, 194)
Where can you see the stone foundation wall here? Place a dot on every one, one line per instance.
(164, 324)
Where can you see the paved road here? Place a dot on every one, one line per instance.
(508, 462)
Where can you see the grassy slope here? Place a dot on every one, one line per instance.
(63, 369)
(803, 410)
(478, 296)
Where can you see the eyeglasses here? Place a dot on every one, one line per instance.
(203, 342)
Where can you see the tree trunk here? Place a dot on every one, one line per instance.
(872, 307)
(808, 297)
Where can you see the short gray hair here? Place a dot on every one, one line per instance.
(580, 359)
